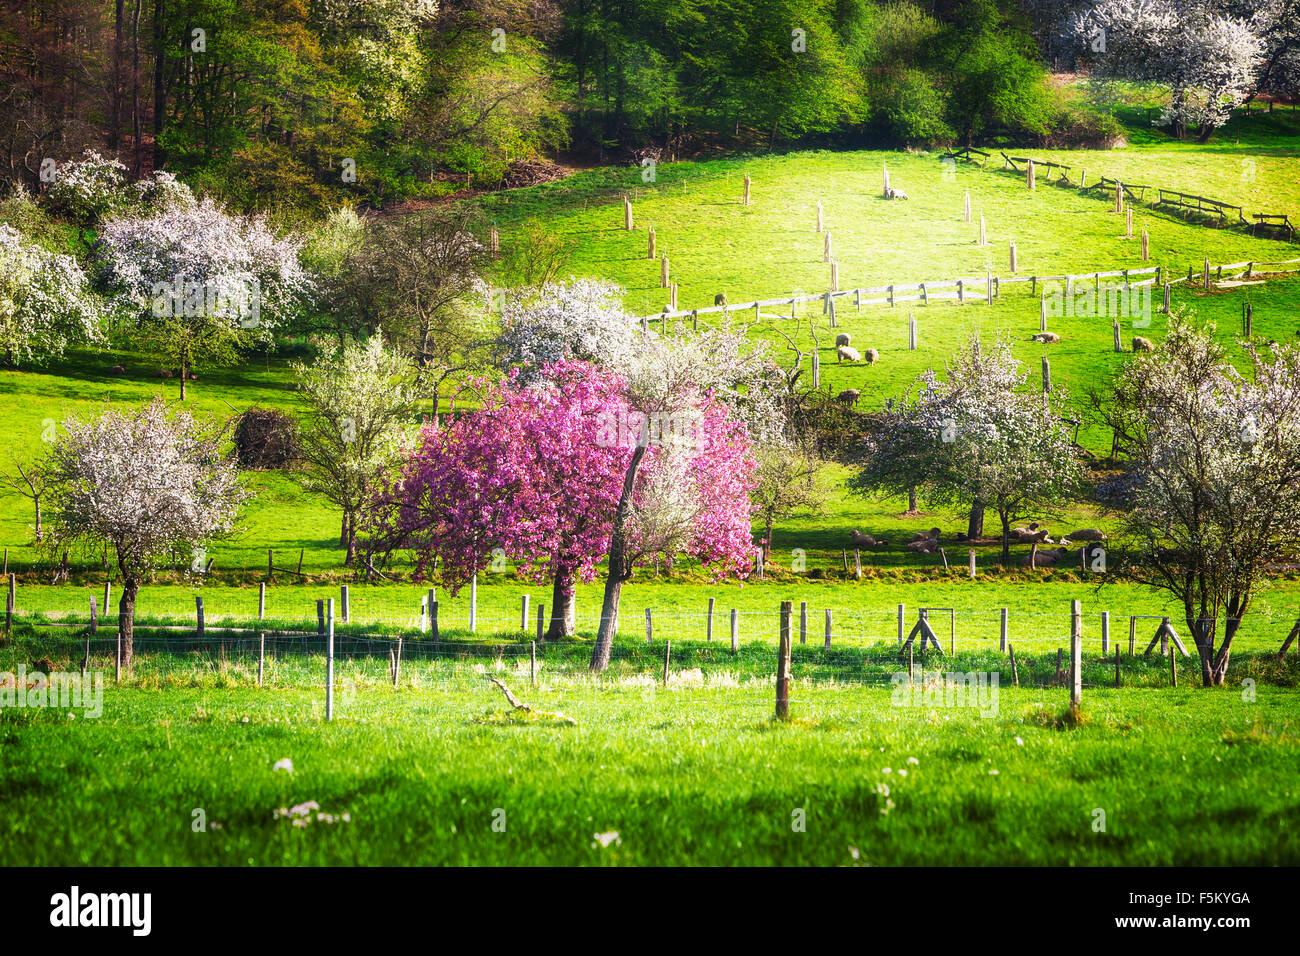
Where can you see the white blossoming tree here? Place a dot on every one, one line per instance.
(362, 402)
(144, 484)
(977, 436)
(1216, 461)
(580, 319)
(46, 303)
(205, 282)
(1207, 54)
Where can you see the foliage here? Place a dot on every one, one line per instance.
(975, 439)
(46, 303)
(578, 320)
(361, 402)
(1217, 458)
(205, 280)
(144, 483)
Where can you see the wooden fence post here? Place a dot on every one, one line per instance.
(1042, 314)
(901, 629)
(473, 604)
(198, 613)
(803, 622)
(821, 221)
(94, 615)
(1119, 342)
(783, 665)
(650, 244)
(433, 622)
(828, 627)
(972, 563)
(523, 613)
(1116, 665)
(735, 630)
(320, 616)
(1013, 255)
(826, 248)
(1015, 673)
(1105, 631)
(1076, 656)
(911, 332)
(649, 627)
(397, 662)
(261, 600)
(1146, 244)
(627, 214)
(966, 207)
(1132, 635)
(1002, 644)
(983, 234)
(1047, 375)
(1030, 177)
(668, 656)
(708, 626)
(663, 271)
(541, 621)
(532, 663)
(746, 196)
(345, 603)
(329, 665)
(261, 657)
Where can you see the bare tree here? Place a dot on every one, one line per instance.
(32, 481)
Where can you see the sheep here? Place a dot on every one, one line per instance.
(1043, 559)
(872, 356)
(927, 546)
(893, 192)
(931, 535)
(850, 396)
(848, 353)
(843, 339)
(720, 299)
(117, 370)
(1087, 534)
(164, 373)
(1142, 345)
(1047, 338)
(859, 540)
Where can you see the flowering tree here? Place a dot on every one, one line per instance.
(975, 438)
(693, 494)
(143, 483)
(529, 473)
(1216, 462)
(93, 190)
(361, 404)
(582, 319)
(45, 301)
(206, 279)
(1209, 57)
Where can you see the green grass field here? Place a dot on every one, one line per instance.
(693, 774)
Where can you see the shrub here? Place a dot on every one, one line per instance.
(265, 438)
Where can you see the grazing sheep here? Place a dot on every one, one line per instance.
(893, 192)
(117, 370)
(848, 353)
(931, 535)
(850, 396)
(164, 373)
(720, 299)
(845, 339)
(1047, 337)
(872, 356)
(1142, 345)
(1043, 559)
(1087, 534)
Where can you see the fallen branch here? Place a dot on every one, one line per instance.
(518, 704)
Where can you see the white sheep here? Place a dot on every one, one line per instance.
(845, 339)
(872, 356)
(847, 353)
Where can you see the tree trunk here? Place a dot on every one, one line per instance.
(911, 499)
(975, 526)
(126, 617)
(343, 530)
(159, 80)
(563, 623)
(350, 540)
(182, 383)
(767, 540)
(39, 533)
(1006, 539)
(1205, 133)
(617, 572)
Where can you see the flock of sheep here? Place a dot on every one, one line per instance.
(928, 542)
